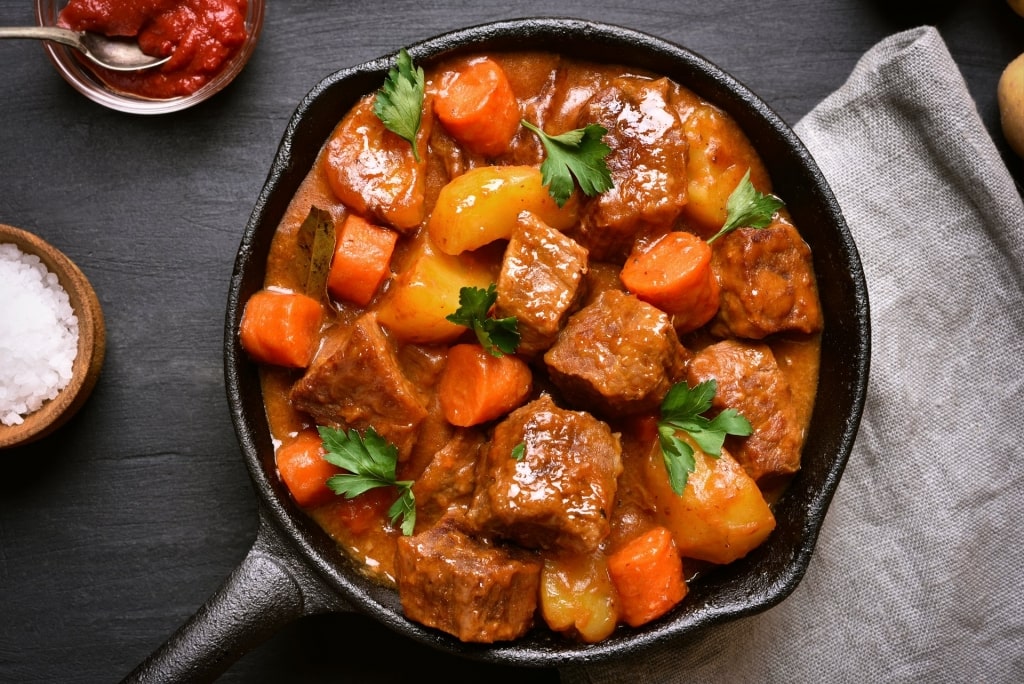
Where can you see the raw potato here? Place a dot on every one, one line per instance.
(1011, 103)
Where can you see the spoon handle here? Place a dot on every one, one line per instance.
(54, 33)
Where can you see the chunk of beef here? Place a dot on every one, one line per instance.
(450, 477)
(540, 282)
(768, 283)
(559, 494)
(422, 365)
(617, 355)
(647, 164)
(601, 276)
(468, 587)
(750, 381)
(360, 384)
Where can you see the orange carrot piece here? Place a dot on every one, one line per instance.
(281, 328)
(674, 274)
(361, 260)
(476, 386)
(648, 574)
(477, 107)
(304, 471)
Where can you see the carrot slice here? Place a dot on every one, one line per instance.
(477, 107)
(648, 574)
(674, 274)
(476, 386)
(281, 328)
(361, 261)
(304, 471)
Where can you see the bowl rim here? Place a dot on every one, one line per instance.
(91, 349)
(82, 79)
(587, 39)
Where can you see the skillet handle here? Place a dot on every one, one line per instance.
(263, 594)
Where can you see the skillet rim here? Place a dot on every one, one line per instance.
(741, 589)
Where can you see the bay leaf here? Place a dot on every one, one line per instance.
(316, 240)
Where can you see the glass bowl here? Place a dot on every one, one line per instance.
(81, 77)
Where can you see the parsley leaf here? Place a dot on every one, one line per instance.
(399, 102)
(575, 154)
(370, 462)
(499, 336)
(747, 207)
(519, 451)
(681, 411)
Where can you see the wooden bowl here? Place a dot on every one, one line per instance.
(91, 342)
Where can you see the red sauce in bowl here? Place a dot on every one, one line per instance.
(201, 36)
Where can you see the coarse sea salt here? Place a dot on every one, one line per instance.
(38, 335)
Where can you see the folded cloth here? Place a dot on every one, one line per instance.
(918, 573)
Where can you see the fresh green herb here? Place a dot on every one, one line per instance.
(681, 410)
(576, 154)
(499, 336)
(399, 103)
(519, 451)
(747, 207)
(370, 462)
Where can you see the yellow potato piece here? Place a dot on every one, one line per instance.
(577, 596)
(482, 206)
(427, 291)
(1010, 93)
(720, 155)
(721, 515)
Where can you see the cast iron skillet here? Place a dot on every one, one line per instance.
(294, 569)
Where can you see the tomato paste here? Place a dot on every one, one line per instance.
(201, 36)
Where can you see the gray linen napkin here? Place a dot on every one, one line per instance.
(917, 575)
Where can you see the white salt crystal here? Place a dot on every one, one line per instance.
(38, 335)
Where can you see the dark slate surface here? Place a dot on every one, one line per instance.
(114, 530)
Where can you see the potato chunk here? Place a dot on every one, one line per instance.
(577, 596)
(416, 306)
(721, 515)
(483, 205)
(719, 156)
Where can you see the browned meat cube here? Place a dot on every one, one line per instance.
(540, 282)
(647, 164)
(750, 381)
(449, 478)
(768, 283)
(559, 495)
(360, 384)
(470, 588)
(617, 355)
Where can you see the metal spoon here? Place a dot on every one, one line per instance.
(116, 54)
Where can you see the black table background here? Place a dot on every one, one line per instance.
(115, 529)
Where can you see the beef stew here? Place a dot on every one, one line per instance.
(590, 477)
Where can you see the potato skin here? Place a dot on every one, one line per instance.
(1017, 6)
(1010, 93)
